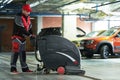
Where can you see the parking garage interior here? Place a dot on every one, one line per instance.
(75, 19)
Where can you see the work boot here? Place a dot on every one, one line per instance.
(26, 70)
(13, 70)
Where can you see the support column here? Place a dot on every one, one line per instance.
(70, 26)
(39, 24)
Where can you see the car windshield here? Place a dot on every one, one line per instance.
(109, 32)
(93, 34)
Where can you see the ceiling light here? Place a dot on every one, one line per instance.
(5, 1)
(37, 3)
(9, 1)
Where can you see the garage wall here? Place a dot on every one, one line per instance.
(6, 34)
(46, 21)
(52, 22)
(55, 21)
(85, 25)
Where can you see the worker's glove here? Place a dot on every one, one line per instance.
(33, 40)
(32, 36)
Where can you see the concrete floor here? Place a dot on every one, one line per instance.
(96, 69)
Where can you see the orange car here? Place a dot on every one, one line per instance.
(76, 41)
(106, 44)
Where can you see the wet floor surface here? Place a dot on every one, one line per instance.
(96, 69)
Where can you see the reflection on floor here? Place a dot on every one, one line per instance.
(96, 69)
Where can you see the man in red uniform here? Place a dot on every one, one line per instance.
(21, 30)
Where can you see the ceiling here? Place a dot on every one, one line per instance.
(104, 7)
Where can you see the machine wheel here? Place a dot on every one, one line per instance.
(61, 70)
(105, 51)
(88, 55)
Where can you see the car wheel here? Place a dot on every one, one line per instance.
(105, 51)
(88, 55)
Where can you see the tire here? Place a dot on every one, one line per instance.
(105, 52)
(88, 55)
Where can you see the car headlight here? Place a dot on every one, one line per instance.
(86, 42)
(82, 42)
(90, 42)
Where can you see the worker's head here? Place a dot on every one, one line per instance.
(26, 9)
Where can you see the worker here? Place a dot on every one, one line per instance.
(21, 30)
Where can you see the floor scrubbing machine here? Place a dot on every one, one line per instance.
(57, 53)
